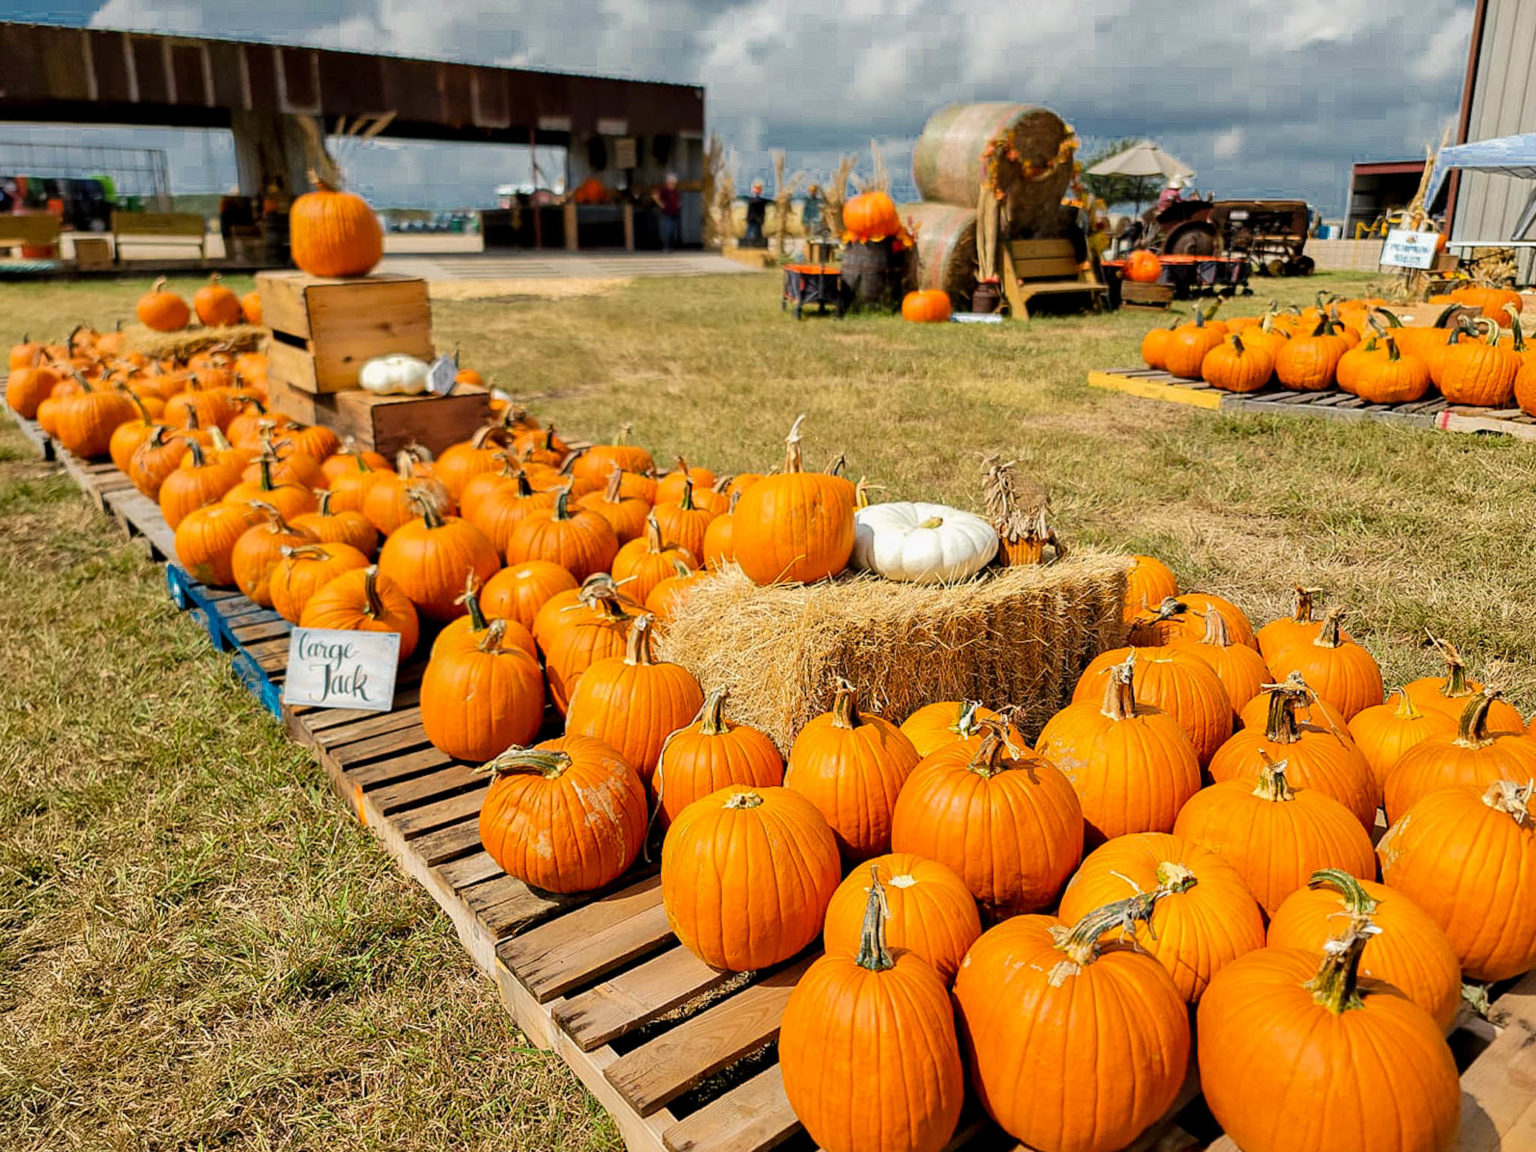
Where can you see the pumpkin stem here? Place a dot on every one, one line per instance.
(746, 798)
(845, 705)
(525, 486)
(304, 552)
(837, 465)
(1329, 635)
(1455, 686)
(1507, 796)
(470, 598)
(1406, 708)
(424, 504)
(686, 503)
(1514, 320)
(861, 492)
(1302, 603)
(637, 646)
(1237, 343)
(1337, 983)
(1272, 782)
(792, 461)
(1170, 607)
(495, 632)
(712, 716)
(653, 543)
(988, 761)
(1472, 728)
(489, 432)
(600, 595)
(1119, 696)
(623, 435)
(966, 724)
(873, 955)
(275, 521)
(1357, 901)
(220, 441)
(545, 762)
(562, 503)
(1280, 726)
(1216, 633)
(615, 482)
(323, 498)
(1081, 941)
(158, 285)
(196, 450)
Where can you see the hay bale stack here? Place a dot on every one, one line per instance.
(947, 162)
(946, 246)
(1018, 636)
(191, 341)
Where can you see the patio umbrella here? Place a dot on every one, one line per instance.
(1145, 159)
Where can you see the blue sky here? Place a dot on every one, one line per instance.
(1262, 98)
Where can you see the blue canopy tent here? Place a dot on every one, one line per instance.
(1505, 156)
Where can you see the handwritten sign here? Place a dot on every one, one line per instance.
(1405, 249)
(440, 379)
(332, 669)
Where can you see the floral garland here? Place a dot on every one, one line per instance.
(1002, 149)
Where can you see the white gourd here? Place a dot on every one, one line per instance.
(922, 543)
(395, 376)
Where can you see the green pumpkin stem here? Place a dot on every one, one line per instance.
(686, 501)
(264, 464)
(1237, 343)
(543, 762)
(562, 509)
(1394, 354)
(845, 705)
(196, 450)
(712, 715)
(966, 723)
(1472, 728)
(1272, 782)
(873, 954)
(1357, 901)
(1337, 983)
(1081, 941)
(470, 598)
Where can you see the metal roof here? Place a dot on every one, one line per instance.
(85, 75)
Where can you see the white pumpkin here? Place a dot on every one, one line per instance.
(922, 543)
(395, 376)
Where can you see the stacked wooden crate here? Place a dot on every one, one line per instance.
(324, 331)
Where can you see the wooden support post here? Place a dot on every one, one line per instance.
(570, 226)
(629, 226)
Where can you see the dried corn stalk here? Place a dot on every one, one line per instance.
(834, 194)
(1019, 509)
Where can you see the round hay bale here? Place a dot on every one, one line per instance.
(947, 162)
(946, 247)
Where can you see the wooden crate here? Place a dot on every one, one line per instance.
(323, 331)
(1134, 294)
(387, 423)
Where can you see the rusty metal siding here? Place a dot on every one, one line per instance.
(1503, 104)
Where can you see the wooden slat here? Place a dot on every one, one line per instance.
(1498, 1092)
(382, 772)
(660, 1071)
(371, 724)
(1035, 249)
(414, 793)
(1047, 267)
(752, 1117)
(624, 1002)
(472, 870)
(265, 630)
(432, 817)
(458, 839)
(377, 747)
(505, 907)
(589, 941)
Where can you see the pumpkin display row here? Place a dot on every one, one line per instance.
(1360, 346)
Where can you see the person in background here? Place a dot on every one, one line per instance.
(757, 217)
(810, 214)
(670, 201)
(1175, 189)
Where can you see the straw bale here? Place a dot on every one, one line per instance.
(1014, 637)
(948, 159)
(190, 341)
(946, 246)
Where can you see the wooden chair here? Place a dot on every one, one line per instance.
(1043, 268)
(160, 228)
(38, 230)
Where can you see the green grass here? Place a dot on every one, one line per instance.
(199, 947)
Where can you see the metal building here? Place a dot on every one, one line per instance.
(1498, 98)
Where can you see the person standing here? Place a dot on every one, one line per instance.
(757, 217)
(670, 200)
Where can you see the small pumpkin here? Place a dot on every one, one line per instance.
(567, 815)
(1295, 1051)
(1471, 755)
(1132, 766)
(286, 495)
(481, 695)
(485, 451)
(575, 630)
(870, 217)
(1275, 835)
(795, 526)
(625, 514)
(518, 591)
(430, 558)
(27, 387)
(643, 563)
(1172, 681)
(1143, 266)
(161, 309)
(1148, 581)
(259, 551)
(599, 461)
(1029, 993)
(1393, 379)
(634, 702)
(330, 526)
(1188, 344)
(250, 308)
(470, 628)
(1408, 950)
(200, 479)
(216, 306)
(1450, 694)
(1307, 363)
(206, 538)
(671, 594)
(1234, 366)
(1337, 669)
(1203, 915)
(852, 765)
(86, 421)
(1154, 346)
(710, 753)
(684, 521)
(500, 501)
(724, 851)
(867, 1046)
(933, 726)
(305, 569)
(334, 233)
(580, 541)
(365, 601)
(390, 502)
(926, 306)
(1301, 626)
(1005, 821)
(1240, 669)
(929, 911)
(1383, 733)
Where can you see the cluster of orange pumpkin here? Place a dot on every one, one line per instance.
(215, 306)
(1361, 346)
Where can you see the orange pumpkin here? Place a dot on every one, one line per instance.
(216, 306)
(200, 479)
(518, 591)
(625, 514)
(1188, 344)
(1143, 266)
(725, 849)
(576, 629)
(305, 569)
(1148, 581)
(644, 563)
(334, 233)
(1240, 669)
(365, 601)
(206, 538)
(162, 310)
(1384, 732)
(259, 551)
(933, 726)
(580, 541)
(870, 217)
(1450, 694)
(331, 527)
(926, 306)
(1337, 669)
(710, 753)
(564, 816)
(1172, 681)
(250, 308)
(481, 694)
(796, 526)
(930, 911)
(1471, 755)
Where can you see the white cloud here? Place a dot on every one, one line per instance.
(1259, 96)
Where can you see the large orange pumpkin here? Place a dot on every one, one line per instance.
(1132, 766)
(709, 754)
(206, 538)
(1005, 821)
(567, 815)
(1297, 1054)
(1240, 669)
(871, 216)
(867, 1047)
(304, 570)
(1171, 681)
(646, 561)
(1408, 949)
(724, 852)
(580, 541)
(633, 702)
(364, 601)
(852, 765)
(481, 695)
(162, 310)
(934, 725)
(1143, 266)
(1203, 917)
(1472, 755)
(929, 911)
(796, 526)
(1338, 670)
(334, 233)
(574, 630)
(215, 305)
(518, 591)
(430, 558)
(1032, 991)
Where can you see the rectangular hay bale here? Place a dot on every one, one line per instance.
(1015, 637)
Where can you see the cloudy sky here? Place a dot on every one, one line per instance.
(1261, 97)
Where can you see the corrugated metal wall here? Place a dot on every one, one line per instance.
(1503, 103)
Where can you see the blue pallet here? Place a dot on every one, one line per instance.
(213, 612)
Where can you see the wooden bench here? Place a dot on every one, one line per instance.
(160, 228)
(35, 231)
(1043, 268)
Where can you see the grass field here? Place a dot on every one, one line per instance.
(201, 949)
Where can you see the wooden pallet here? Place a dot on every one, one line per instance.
(682, 1056)
(1333, 404)
(34, 433)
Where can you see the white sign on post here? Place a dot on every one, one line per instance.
(335, 669)
(1405, 249)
